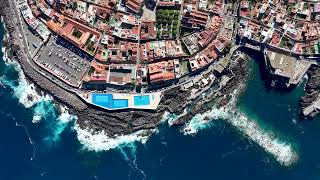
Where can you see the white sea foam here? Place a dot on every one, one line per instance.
(43, 107)
(170, 118)
(65, 116)
(58, 125)
(24, 91)
(42, 104)
(203, 121)
(5, 56)
(100, 141)
(283, 152)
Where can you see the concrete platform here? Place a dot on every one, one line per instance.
(286, 66)
(148, 101)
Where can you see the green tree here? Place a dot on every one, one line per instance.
(174, 32)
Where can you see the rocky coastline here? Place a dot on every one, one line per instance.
(312, 91)
(312, 87)
(88, 117)
(219, 95)
(125, 122)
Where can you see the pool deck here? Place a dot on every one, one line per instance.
(154, 99)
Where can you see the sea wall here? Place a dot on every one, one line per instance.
(88, 117)
(111, 122)
(13, 43)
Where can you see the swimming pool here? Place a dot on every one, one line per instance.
(141, 100)
(107, 101)
(104, 100)
(120, 103)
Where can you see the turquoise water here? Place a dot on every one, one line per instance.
(50, 150)
(142, 100)
(107, 101)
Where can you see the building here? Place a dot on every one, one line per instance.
(161, 71)
(194, 18)
(134, 5)
(78, 34)
(36, 25)
(148, 30)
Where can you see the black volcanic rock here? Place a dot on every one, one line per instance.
(116, 122)
(312, 89)
(88, 116)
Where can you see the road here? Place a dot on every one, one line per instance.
(24, 44)
(69, 88)
(210, 68)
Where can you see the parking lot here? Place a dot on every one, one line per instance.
(62, 62)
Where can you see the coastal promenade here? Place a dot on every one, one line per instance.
(126, 113)
(72, 88)
(44, 80)
(33, 65)
(34, 61)
(188, 79)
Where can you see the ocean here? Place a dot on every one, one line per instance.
(224, 148)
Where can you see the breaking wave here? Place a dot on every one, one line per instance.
(203, 121)
(26, 92)
(100, 141)
(65, 116)
(282, 151)
(57, 125)
(171, 117)
(56, 118)
(43, 108)
(22, 89)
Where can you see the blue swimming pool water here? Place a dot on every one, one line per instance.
(107, 101)
(104, 100)
(141, 100)
(120, 103)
